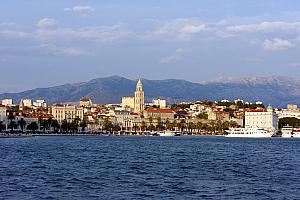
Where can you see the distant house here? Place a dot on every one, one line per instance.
(162, 113)
(218, 115)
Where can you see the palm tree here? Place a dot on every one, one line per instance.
(22, 124)
(65, 125)
(55, 125)
(49, 122)
(83, 124)
(2, 126)
(143, 125)
(33, 126)
(44, 125)
(11, 117)
(199, 126)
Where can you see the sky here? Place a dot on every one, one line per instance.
(51, 42)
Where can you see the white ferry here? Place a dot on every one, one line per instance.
(250, 132)
(286, 131)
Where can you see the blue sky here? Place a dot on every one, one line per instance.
(51, 42)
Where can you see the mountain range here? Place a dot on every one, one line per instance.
(275, 90)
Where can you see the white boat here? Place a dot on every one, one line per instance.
(167, 133)
(286, 131)
(250, 132)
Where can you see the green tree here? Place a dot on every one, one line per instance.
(159, 125)
(289, 121)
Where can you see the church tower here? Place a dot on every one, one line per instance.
(139, 98)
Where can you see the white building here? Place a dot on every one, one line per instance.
(26, 102)
(161, 103)
(85, 102)
(291, 111)
(128, 102)
(66, 112)
(7, 102)
(3, 111)
(40, 103)
(261, 119)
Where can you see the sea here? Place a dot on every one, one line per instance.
(99, 167)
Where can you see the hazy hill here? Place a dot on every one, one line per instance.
(276, 90)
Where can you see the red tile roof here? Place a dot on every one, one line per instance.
(160, 110)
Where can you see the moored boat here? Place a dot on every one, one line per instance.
(286, 131)
(167, 133)
(250, 132)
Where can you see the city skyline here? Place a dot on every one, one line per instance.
(52, 43)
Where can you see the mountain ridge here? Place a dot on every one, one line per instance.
(277, 90)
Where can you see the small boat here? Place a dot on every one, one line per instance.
(167, 133)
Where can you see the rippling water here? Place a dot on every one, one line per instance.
(149, 168)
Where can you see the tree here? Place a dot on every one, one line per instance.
(108, 126)
(83, 123)
(2, 126)
(159, 125)
(33, 126)
(43, 124)
(169, 125)
(203, 116)
(22, 124)
(143, 125)
(55, 125)
(49, 122)
(11, 117)
(191, 126)
(289, 121)
(181, 125)
(199, 126)
(65, 125)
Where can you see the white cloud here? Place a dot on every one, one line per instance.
(14, 34)
(81, 9)
(97, 34)
(266, 27)
(194, 28)
(179, 29)
(172, 58)
(276, 44)
(46, 22)
(51, 49)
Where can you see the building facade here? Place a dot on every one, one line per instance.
(3, 111)
(162, 113)
(160, 103)
(261, 119)
(66, 112)
(128, 103)
(7, 102)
